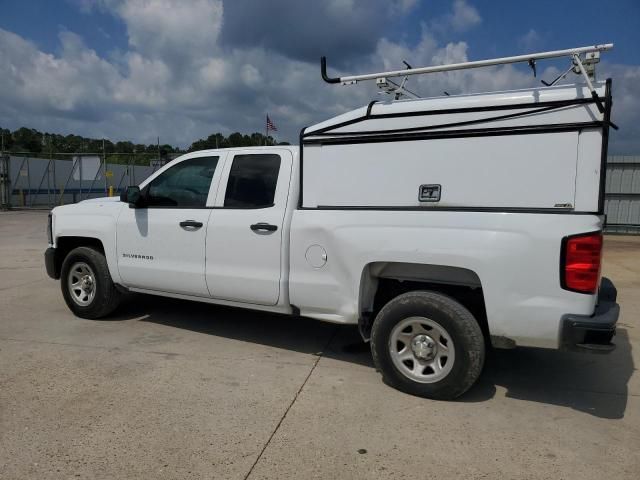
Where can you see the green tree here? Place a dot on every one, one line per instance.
(7, 139)
(236, 139)
(124, 147)
(27, 139)
(40, 144)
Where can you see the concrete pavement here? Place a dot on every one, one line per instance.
(174, 389)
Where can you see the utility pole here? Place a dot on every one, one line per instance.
(5, 182)
(104, 166)
(49, 174)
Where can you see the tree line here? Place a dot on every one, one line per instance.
(41, 144)
(30, 140)
(236, 139)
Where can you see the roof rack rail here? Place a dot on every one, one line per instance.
(583, 62)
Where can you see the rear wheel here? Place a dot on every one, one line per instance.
(427, 344)
(86, 284)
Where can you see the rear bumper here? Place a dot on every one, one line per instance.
(593, 333)
(50, 263)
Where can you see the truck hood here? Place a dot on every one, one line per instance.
(101, 200)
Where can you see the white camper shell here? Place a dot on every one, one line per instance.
(536, 149)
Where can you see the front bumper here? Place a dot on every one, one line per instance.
(593, 333)
(51, 264)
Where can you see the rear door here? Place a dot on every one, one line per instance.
(244, 235)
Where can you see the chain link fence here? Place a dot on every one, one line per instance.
(30, 182)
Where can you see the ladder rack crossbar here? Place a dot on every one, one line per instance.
(571, 52)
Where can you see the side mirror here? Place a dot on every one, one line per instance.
(132, 196)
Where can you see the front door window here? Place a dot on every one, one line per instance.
(185, 185)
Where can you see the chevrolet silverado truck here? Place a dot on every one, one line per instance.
(441, 227)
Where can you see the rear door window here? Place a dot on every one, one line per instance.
(252, 181)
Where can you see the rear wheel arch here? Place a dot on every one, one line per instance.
(380, 282)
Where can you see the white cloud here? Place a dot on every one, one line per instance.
(625, 111)
(464, 16)
(145, 84)
(171, 29)
(34, 80)
(530, 40)
(451, 53)
(341, 7)
(250, 76)
(461, 18)
(404, 5)
(214, 74)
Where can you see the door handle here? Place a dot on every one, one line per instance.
(267, 227)
(191, 224)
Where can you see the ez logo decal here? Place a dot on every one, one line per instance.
(429, 193)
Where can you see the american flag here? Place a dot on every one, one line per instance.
(270, 125)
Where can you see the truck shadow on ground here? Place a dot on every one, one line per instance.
(590, 383)
(593, 384)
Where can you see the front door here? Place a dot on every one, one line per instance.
(245, 232)
(161, 245)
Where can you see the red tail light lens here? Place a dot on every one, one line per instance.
(581, 258)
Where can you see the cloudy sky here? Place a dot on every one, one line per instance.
(183, 69)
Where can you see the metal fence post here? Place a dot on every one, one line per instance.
(49, 175)
(15, 180)
(124, 173)
(24, 201)
(5, 183)
(37, 192)
(94, 181)
(54, 182)
(80, 182)
(73, 168)
(49, 182)
(104, 167)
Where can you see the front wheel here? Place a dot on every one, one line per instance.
(427, 344)
(86, 284)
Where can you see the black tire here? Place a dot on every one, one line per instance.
(106, 297)
(460, 325)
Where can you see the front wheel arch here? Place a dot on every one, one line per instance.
(65, 244)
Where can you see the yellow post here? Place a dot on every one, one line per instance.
(111, 190)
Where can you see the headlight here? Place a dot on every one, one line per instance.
(50, 229)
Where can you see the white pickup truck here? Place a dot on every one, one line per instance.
(440, 226)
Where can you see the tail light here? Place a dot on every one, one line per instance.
(580, 261)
